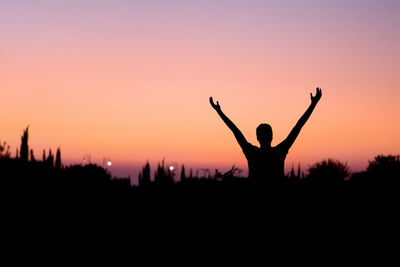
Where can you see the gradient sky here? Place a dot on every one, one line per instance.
(130, 80)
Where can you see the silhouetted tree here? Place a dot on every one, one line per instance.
(58, 159)
(44, 156)
(144, 176)
(24, 150)
(295, 177)
(382, 162)
(382, 171)
(299, 172)
(292, 175)
(4, 150)
(183, 174)
(32, 156)
(385, 168)
(50, 159)
(163, 177)
(327, 172)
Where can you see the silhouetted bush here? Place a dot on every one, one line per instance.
(327, 172)
(4, 150)
(383, 171)
(87, 176)
(385, 166)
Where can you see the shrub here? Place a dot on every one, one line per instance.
(327, 172)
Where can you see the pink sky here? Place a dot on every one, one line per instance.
(130, 80)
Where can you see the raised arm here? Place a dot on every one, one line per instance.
(238, 134)
(288, 142)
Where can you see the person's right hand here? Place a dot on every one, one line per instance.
(217, 107)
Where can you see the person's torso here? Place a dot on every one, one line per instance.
(265, 163)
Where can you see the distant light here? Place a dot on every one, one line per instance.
(109, 163)
(171, 168)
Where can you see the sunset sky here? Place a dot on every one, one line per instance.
(130, 80)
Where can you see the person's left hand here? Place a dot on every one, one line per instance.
(317, 97)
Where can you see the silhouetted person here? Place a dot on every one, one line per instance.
(266, 163)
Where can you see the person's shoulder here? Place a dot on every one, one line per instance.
(249, 147)
(282, 148)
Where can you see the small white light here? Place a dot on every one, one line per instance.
(171, 168)
(109, 163)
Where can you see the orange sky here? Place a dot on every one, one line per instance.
(130, 81)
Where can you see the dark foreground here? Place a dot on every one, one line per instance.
(90, 188)
(67, 212)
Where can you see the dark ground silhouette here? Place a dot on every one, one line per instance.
(42, 178)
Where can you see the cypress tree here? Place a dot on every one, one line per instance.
(24, 150)
(183, 175)
(58, 159)
(292, 175)
(144, 178)
(299, 172)
(50, 159)
(32, 156)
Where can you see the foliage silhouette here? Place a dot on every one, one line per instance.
(34, 180)
(144, 176)
(327, 172)
(24, 145)
(295, 178)
(183, 174)
(32, 155)
(387, 166)
(4, 150)
(50, 159)
(163, 177)
(383, 171)
(58, 159)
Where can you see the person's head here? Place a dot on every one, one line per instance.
(264, 134)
